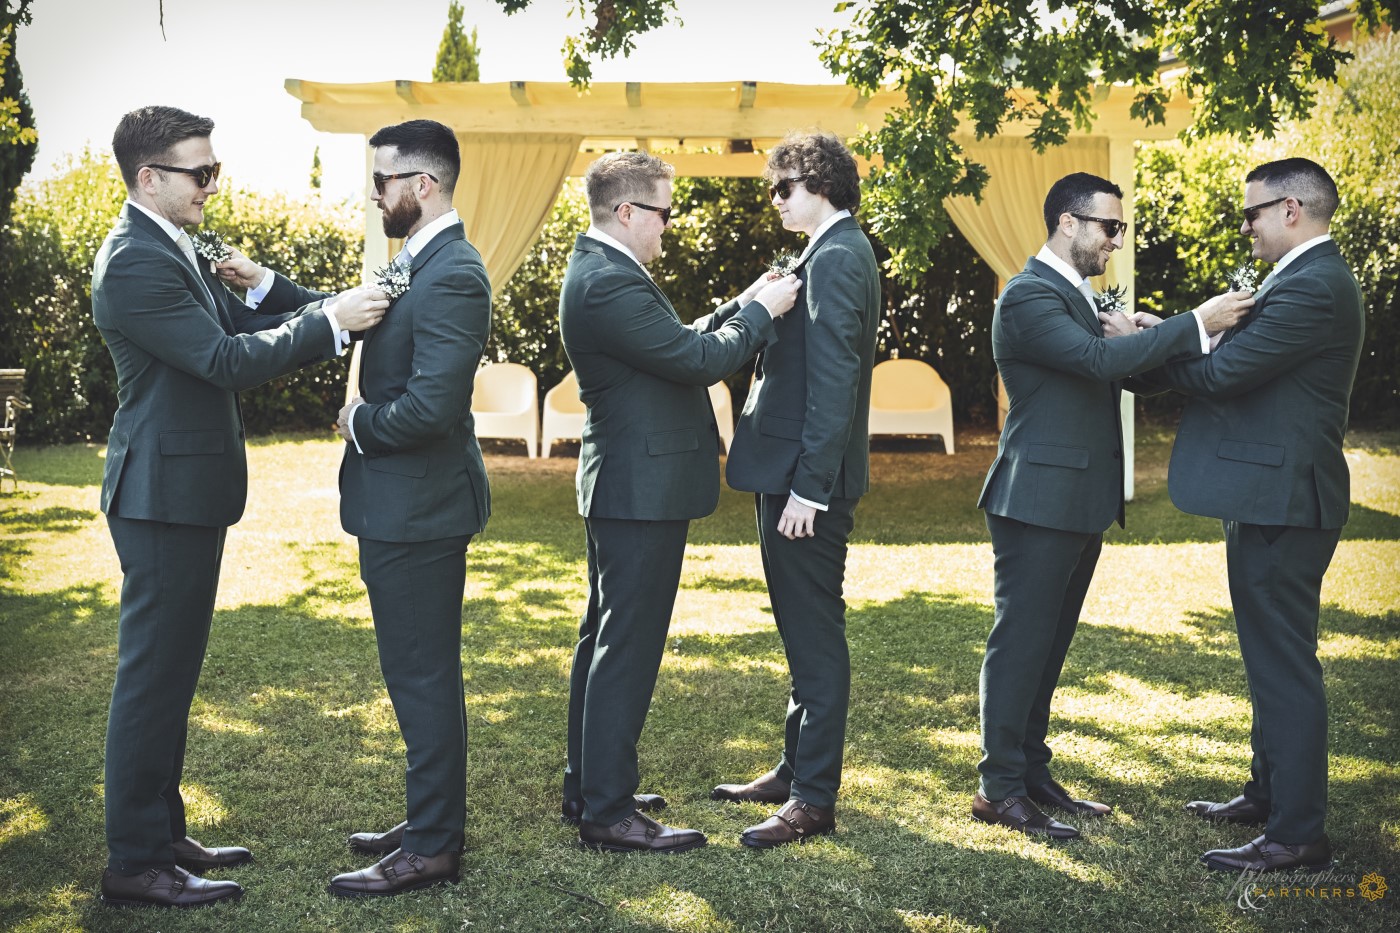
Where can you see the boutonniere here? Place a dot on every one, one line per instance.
(210, 244)
(393, 280)
(1112, 299)
(1243, 279)
(784, 262)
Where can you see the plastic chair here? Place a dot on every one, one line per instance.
(505, 404)
(12, 392)
(564, 414)
(909, 397)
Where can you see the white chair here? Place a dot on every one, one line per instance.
(564, 414)
(505, 404)
(909, 397)
(723, 404)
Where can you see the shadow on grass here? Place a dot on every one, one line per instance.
(18, 524)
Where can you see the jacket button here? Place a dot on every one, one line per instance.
(1118, 455)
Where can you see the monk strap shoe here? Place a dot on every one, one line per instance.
(797, 821)
(165, 887)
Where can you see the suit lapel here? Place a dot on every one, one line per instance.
(1298, 265)
(1080, 307)
(627, 264)
(141, 225)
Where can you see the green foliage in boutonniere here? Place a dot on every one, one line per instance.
(784, 262)
(210, 244)
(393, 280)
(1243, 279)
(1112, 299)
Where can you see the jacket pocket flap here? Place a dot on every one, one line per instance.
(787, 428)
(399, 464)
(190, 443)
(672, 442)
(1076, 458)
(1265, 454)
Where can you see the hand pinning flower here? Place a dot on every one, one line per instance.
(393, 280)
(210, 244)
(784, 262)
(1243, 279)
(1112, 299)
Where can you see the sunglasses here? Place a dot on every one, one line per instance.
(665, 212)
(202, 176)
(783, 187)
(1111, 228)
(381, 180)
(1251, 214)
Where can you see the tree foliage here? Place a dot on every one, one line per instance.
(615, 24)
(458, 55)
(19, 139)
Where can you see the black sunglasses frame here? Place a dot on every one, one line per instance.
(202, 175)
(782, 188)
(1251, 214)
(381, 181)
(1111, 227)
(665, 212)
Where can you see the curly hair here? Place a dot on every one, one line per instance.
(827, 166)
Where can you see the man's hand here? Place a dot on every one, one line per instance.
(750, 293)
(1117, 324)
(360, 308)
(342, 421)
(779, 295)
(1224, 311)
(796, 520)
(1146, 319)
(240, 271)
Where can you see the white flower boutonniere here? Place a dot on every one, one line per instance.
(210, 244)
(1112, 299)
(393, 280)
(784, 262)
(1243, 279)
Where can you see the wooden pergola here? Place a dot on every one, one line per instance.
(521, 140)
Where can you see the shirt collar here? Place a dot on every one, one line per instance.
(595, 234)
(170, 229)
(825, 226)
(1299, 250)
(423, 237)
(1071, 274)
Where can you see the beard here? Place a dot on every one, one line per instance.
(401, 216)
(1084, 254)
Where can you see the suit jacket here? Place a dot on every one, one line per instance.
(1261, 439)
(182, 353)
(650, 448)
(421, 476)
(1059, 463)
(805, 426)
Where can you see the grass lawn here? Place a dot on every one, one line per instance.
(293, 742)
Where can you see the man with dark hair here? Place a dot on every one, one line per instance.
(1260, 447)
(648, 464)
(802, 446)
(413, 490)
(175, 477)
(1057, 482)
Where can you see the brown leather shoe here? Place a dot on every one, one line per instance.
(1240, 810)
(1022, 815)
(1263, 854)
(387, 841)
(1051, 794)
(639, 833)
(766, 789)
(797, 821)
(571, 814)
(165, 887)
(397, 872)
(196, 858)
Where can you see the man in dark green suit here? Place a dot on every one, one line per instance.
(175, 478)
(1057, 482)
(648, 464)
(413, 490)
(802, 446)
(1260, 447)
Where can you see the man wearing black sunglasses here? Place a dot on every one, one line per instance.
(175, 478)
(648, 464)
(1260, 447)
(1057, 482)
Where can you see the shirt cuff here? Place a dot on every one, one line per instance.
(1207, 342)
(256, 295)
(808, 502)
(350, 421)
(342, 337)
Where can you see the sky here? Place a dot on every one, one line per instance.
(87, 62)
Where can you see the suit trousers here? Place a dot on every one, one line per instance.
(806, 579)
(1275, 587)
(634, 569)
(170, 574)
(1042, 576)
(415, 592)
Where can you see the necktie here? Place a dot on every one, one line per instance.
(1268, 279)
(403, 260)
(1087, 291)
